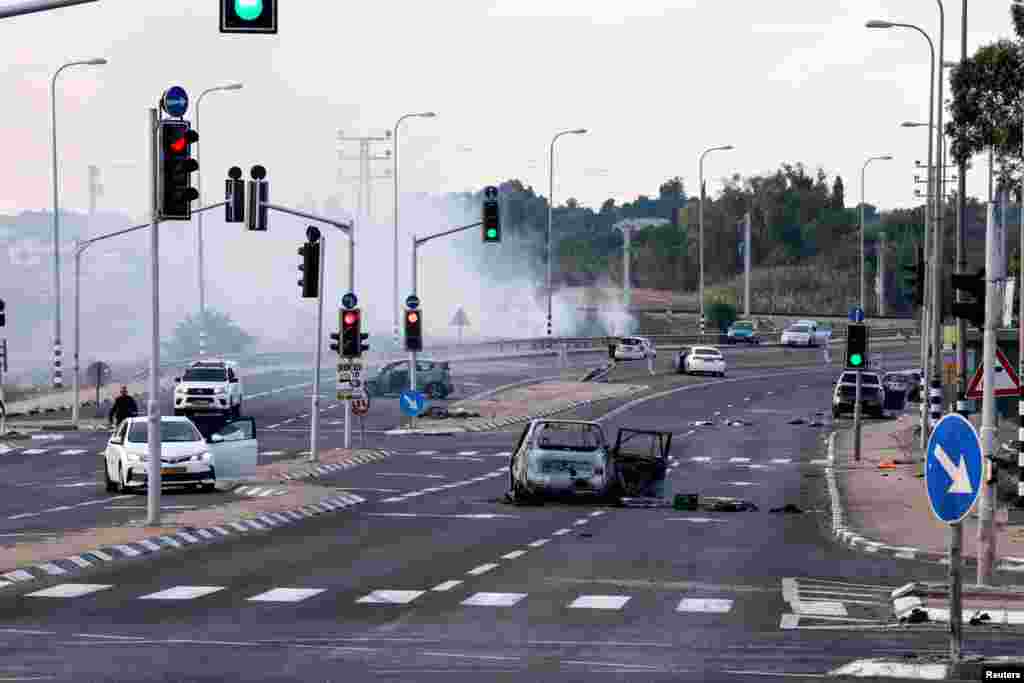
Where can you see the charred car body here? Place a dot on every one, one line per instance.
(571, 458)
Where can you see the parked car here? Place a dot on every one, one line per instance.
(571, 458)
(896, 382)
(635, 348)
(743, 331)
(700, 359)
(797, 335)
(433, 378)
(187, 457)
(872, 394)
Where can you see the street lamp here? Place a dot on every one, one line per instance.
(551, 206)
(884, 157)
(929, 208)
(394, 138)
(701, 221)
(57, 375)
(199, 232)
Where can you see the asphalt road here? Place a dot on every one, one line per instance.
(436, 577)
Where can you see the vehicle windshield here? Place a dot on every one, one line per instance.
(743, 326)
(568, 437)
(703, 353)
(800, 328)
(170, 432)
(205, 375)
(630, 342)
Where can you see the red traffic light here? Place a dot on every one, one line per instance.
(351, 318)
(412, 316)
(178, 145)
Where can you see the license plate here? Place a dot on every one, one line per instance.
(202, 400)
(173, 470)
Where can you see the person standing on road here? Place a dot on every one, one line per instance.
(124, 406)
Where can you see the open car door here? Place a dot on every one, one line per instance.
(640, 459)
(235, 450)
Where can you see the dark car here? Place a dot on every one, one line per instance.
(433, 378)
(872, 394)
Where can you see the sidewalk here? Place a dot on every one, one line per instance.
(886, 511)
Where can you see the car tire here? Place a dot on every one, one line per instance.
(110, 485)
(835, 414)
(119, 486)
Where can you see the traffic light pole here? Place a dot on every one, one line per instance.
(348, 229)
(856, 420)
(415, 246)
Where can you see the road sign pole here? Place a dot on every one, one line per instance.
(856, 421)
(153, 479)
(986, 509)
(956, 626)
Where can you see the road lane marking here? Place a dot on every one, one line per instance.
(459, 654)
(348, 488)
(410, 474)
(182, 593)
(482, 569)
(286, 595)
(539, 542)
(69, 590)
(599, 602)
(782, 461)
(743, 483)
(426, 452)
(391, 597)
(739, 459)
(493, 599)
(701, 458)
(143, 507)
(718, 606)
(467, 452)
(446, 586)
(699, 520)
(513, 555)
(562, 532)
(23, 515)
(73, 451)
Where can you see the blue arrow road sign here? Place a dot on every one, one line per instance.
(412, 402)
(953, 468)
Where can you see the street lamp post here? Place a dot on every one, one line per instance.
(928, 208)
(700, 213)
(394, 138)
(551, 206)
(884, 157)
(199, 227)
(57, 374)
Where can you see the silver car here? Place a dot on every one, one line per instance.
(560, 457)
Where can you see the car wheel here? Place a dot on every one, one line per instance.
(110, 485)
(835, 414)
(119, 486)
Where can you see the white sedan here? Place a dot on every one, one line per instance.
(701, 359)
(187, 458)
(798, 335)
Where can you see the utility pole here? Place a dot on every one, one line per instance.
(961, 251)
(880, 289)
(95, 189)
(986, 501)
(746, 265)
(364, 180)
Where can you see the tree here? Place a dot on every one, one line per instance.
(223, 335)
(838, 198)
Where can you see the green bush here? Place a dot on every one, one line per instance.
(721, 314)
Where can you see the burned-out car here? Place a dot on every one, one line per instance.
(557, 458)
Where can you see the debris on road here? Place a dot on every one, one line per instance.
(787, 508)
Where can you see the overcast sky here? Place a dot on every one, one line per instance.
(654, 82)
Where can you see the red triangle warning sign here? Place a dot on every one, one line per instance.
(1007, 382)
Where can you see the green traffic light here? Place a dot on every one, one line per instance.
(856, 359)
(249, 9)
(491, 233)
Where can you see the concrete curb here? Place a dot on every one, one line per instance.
(515, 419)
(186, 537)
(352, 461)
(850, 537)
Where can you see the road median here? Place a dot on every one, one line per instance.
(295, 500)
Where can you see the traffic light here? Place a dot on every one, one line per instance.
(310, 269)
(975, 286)
(176, 166)
(351, 336)
(248, 16)
(363, 347)
(491, 215)
(257, 196)
(336, 342)
(916, 279)
(413, 330)
(3, 316)
(857, 346)
(234, 195)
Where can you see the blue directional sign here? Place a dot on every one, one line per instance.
(349, 300)
(175, 101)
(953, 468)
(857, 315)
(412, 402)
(412, 302)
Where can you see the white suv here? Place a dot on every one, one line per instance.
(208, 387)
(635, 348)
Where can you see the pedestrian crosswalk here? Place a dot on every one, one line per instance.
(10, 451)
(443, 593)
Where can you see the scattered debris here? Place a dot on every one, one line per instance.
(730, 505)
(441, 413)
(887, 465)
(788, 508)
(815, 423)
(686, 501)
(586, 534)
(737, 423)
(916, 616)
(797, 421)
(978, 618)
(703, 423)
